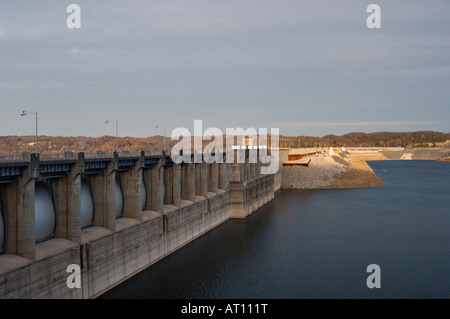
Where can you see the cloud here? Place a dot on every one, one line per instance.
(290, 60)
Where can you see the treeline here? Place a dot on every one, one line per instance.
(61, 144)
(378, 139)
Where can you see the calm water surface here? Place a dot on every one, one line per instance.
(318, 244)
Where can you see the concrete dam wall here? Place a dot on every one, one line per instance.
(110, 216)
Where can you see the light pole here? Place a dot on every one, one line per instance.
(117, 133)
(35, 113)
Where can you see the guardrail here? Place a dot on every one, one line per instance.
(57, 156)
(153, 153)
(73, 156)
(130, 154)
(95, 155)
(14, 158)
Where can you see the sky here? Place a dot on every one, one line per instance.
(305, 67)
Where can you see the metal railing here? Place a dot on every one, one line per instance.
(25, 157)
(14, 158)
(97, 155)
(57, 156)
(153, 153)
(129, 154)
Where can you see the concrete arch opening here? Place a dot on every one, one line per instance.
(44, 213)
(87, 205)
(118, 196)
(2, 228)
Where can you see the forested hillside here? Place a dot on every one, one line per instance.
(60, 144)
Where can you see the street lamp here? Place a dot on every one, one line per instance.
(164, 137)
(117, 133)
(35, 113)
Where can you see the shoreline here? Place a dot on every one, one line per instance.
(349, 169)
(341, 171)
(359, 174)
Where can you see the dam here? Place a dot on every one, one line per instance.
(111, 214)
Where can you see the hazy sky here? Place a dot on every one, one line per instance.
(305, 67)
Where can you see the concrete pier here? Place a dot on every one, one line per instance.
(154, 184)
(131, 181)
(18, 211)
(188, 182)
(172, 181)
(248, 188)
(103, 194)
(67, 201)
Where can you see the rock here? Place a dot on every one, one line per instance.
(330, 172)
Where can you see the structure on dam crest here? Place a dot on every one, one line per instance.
(111, 214)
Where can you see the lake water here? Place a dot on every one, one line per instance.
(318, 244)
